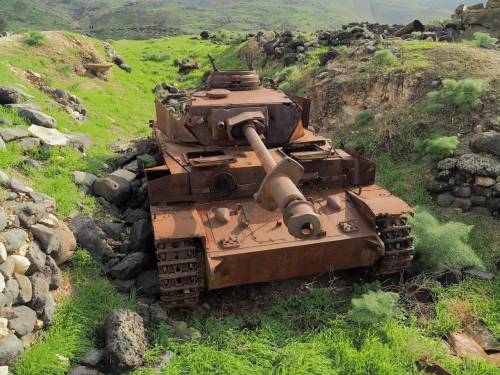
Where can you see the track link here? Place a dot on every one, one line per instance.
(181, 272)
(395, 232)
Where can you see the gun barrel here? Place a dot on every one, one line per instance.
(298, 214)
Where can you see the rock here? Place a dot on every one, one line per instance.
(28, 144)
(18, 186)
(5, 121)
(48, 311)
(114, 189)
(41, 198)
(3, 220)
(124, 286)
(465, 346)
(50, 221)
(141, 236)
(10, 349)
(480, 274)
(3, 253)
(11, 134)
(126, 68)
(7, 268)
(2, 283)
(36, 257)
(50, 137)
(47, 238)
(21, 319)
(25, 288)
(129, 267)
(41, 293)
(148, 283)
(13, 239)
(488, 142)
(125, 174)
(445, 199)
(132, 216)
(4, 179)
(484, 181)
(479, 164)
(205, 35)
(436, 187)
(9, 95)
(447, 164)
(37, 118)
(157, 314)
(29, 340)
(463, 203)
(3, 146)
(182, 331)
(67, 243)
(325, 57)
(22, 264)
(84, 178)
(481, 211)
(30, 213)
(82, 370)
(4, 370)
(93, 358)
(462, 191)
(55, 273)
(11, 292)
(478, 200)
(125, 340)
(113, 230)
(87, 236)
(4, 328)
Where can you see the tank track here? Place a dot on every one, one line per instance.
(181, 272)
(395, 232)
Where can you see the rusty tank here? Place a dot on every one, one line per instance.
(245, 193)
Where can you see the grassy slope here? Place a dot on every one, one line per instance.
(304, 334)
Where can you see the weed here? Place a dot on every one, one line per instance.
(436, 148)
(374, 308)
(65, 69)
(35, 39)
(363, 118)
(442, 247)
(484, 38)
(156, 57)
(384, 57)
(460, 95)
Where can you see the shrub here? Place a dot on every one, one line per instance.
(436, 148)
(156, 57)
(484, 38)
(285, 86)
(384, 57)
(374, 308)
(35, 39)
(442, 247)
(461, 95)
(364, 117)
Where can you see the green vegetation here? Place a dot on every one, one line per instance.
(374, 308)
(484, 38)
(3, 23)
(436, 148)
(442, 247)
(35, 39)
(384, 57)
(72, 333)
(462, 96)
(364, 117)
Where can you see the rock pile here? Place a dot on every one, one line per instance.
(479, 17)
(471, 182)
(117, 59)
(171, 96)
(33, 244)
(285, 45)
(186, 65)
(124, 244)
(69, 102)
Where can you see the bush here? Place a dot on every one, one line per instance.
(285, 86)
(384, 57)
(484, 38)
(436, 148)
(364, 118)
(442, 247)
(374, 308)
(35, 39)
(461, 95)
(156, 57)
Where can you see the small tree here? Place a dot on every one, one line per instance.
(374, 308)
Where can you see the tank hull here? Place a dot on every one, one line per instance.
(252, 245)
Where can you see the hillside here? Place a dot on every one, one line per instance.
(144, 19)
(302, 326)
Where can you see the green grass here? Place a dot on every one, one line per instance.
(72, 333)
